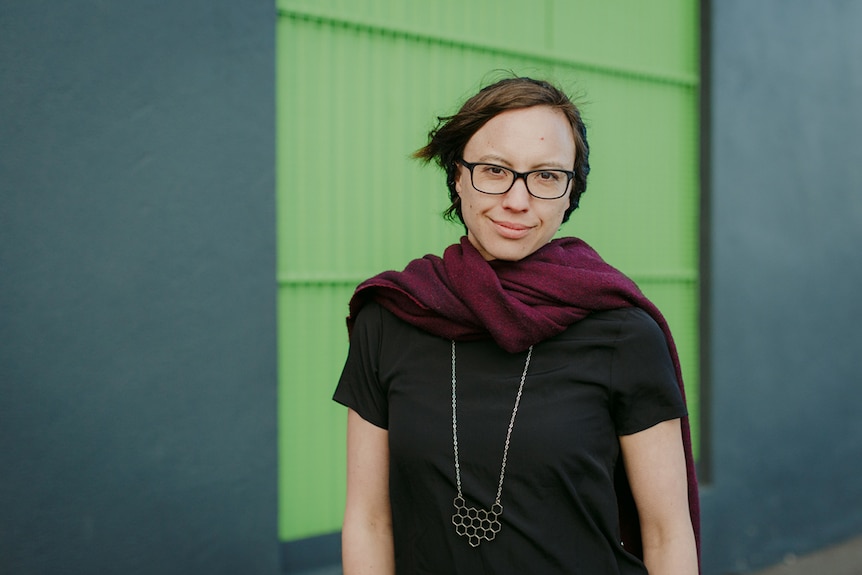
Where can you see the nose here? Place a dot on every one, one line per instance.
(517, 198)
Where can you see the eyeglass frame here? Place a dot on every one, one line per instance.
(518, 176)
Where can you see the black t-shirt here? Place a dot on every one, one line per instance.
(608, 375)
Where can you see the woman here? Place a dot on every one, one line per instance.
(516, 406)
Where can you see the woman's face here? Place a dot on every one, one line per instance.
(513, 225)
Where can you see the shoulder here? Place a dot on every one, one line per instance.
(640, 330)
(370, 312)
(638, 323)
(620, 325)
(631, 334)
(366, 322)
(374, 320)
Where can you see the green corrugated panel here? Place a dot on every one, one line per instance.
(476, 21)
(544, 32)
(312, 428)
(359, 86)
(659, 36)
(678, 300)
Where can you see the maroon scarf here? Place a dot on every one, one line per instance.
(518, 304)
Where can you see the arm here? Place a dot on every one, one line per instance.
(366, 537)
(655, 465)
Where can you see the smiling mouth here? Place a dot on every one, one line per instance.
(511, 230)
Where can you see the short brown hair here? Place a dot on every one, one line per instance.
(446, 142)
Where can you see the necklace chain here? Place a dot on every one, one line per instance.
(480, 524)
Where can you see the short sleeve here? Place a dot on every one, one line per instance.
(359, 386)
(644, 388)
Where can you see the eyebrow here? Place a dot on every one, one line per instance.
(493, 159)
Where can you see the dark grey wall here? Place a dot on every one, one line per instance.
(137, 300)
(787, 269)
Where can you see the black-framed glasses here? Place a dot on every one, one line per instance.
(547, 184)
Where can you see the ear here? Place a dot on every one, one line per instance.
(457, 178)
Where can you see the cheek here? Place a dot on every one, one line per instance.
(560, 211)
(459, 181)
(467, 208)
(472, 204)
(552, 221)
(560, 215)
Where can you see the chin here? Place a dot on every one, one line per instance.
(494, 247)
(510, 253)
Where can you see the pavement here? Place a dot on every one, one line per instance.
(324, 571)
(842, 559)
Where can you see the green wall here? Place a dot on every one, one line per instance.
(360, 83)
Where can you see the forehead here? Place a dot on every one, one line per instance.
(539, 133)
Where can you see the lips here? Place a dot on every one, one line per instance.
(511, 230)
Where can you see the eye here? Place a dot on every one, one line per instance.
(549, 176)
(492, 171)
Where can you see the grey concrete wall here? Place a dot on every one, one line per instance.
(137, 293)
(786, 221)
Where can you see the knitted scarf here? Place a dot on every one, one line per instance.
(518, 304)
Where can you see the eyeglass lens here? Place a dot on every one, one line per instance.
(493, 179)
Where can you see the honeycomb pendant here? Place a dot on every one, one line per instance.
(470, 522)
(476, 524)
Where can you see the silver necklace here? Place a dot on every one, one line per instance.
(470, 522)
